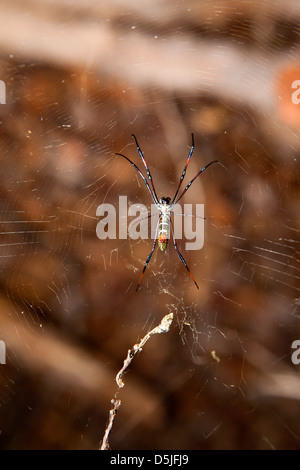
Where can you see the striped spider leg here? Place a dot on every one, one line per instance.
(165, 207)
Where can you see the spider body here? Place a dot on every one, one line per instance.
(165, 207)
(164, 223)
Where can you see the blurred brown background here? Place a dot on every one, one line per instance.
(80, 78)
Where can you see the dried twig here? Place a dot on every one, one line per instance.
(163, 327)
(112, 413)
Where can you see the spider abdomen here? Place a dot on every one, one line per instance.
(163, 232)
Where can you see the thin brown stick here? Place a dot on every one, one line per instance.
(112, 413)
(163, 327)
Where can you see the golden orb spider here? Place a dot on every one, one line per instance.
(165, 206)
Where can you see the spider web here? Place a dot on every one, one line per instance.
(223, 376)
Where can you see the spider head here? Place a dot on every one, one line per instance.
(165, 200)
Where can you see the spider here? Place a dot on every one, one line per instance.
(165, 206)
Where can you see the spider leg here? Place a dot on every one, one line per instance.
(182, 258)
(141, 174)
(184, 170)
(147, 262)
(199, 173)
(146, 166)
